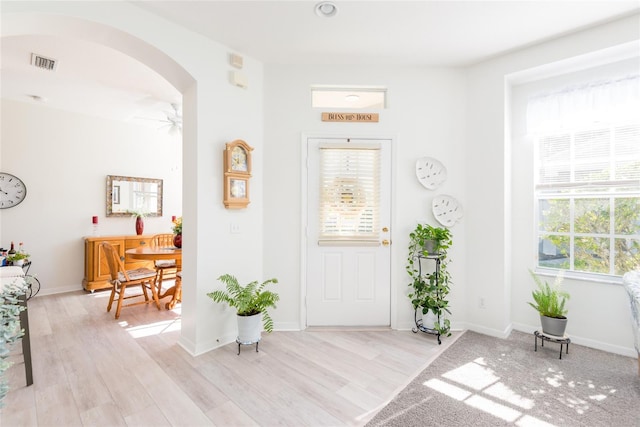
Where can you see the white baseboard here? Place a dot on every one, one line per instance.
(575, 339)
(286, 326)
(44, 291)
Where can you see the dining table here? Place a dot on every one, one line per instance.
(149, 253)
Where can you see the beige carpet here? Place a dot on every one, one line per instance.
(486, 381)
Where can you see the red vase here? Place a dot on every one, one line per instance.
(139, 225)
(177, 240)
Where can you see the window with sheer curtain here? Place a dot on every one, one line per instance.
(350, 193)
(587, 176)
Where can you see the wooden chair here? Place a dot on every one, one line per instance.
(164, 267)
(122, 279)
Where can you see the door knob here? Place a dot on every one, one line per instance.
(385, 242)
(385, 229)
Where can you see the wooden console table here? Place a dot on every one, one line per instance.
(96, 269)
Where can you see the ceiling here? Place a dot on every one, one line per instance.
(100, 81)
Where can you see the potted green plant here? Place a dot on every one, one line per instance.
(177, 232)
(251, 302)
(18, 258)
(430, 289)
(550, 304)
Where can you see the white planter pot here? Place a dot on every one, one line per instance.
(249, 328)
(19, 262)
(429, 320)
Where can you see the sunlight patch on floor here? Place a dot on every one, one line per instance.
(156, 328)
(555, 380)
(447, 389)
(503, 392)
(99, 295)
(478, 377)
(493, 408)
(472, 375)
(529, 421)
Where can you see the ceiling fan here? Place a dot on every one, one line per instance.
(172, 120)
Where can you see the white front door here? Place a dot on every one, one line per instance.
(348, 232)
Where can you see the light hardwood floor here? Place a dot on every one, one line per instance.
(92, 370)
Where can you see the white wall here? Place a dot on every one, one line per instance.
(64, 159)
(500, 212)
(457, 116)
(214, 112)
(426, 116)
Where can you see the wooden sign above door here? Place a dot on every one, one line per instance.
(350, 117)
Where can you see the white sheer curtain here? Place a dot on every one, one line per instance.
(616, 100)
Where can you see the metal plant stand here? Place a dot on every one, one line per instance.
(544, 337)
(240, 343)
(419, 325)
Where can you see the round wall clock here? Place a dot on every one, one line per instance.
(430, 172)
(12, 190)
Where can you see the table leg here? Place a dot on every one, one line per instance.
(176, 295)
(26, 341)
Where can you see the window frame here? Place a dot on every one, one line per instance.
(609, 190)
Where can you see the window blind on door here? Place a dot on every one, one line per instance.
(349, 194)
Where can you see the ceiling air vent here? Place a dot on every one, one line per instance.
(43, 62)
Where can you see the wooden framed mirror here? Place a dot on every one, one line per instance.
(126, 194)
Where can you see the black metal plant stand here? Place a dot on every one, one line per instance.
(33, 284)
(240, 343)
(419, 325)
(544, 337)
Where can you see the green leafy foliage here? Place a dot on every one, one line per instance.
(593, 253)
(17, 256)
(429, 291)
(10, 330)
(248, 300)
(549, 300)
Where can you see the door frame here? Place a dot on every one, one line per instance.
(304, 162)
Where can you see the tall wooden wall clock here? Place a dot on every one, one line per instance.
(237, 172)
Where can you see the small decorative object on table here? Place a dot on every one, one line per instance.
(177, 231)
(18, 257)
(139, 216)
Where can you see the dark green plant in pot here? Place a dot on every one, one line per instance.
(248, 300)
(429, 292)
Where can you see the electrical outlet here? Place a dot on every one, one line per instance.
(481, 303)
(235, 228)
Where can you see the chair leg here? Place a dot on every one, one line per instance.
(113, 293)
(144, 291)
(123, 288)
